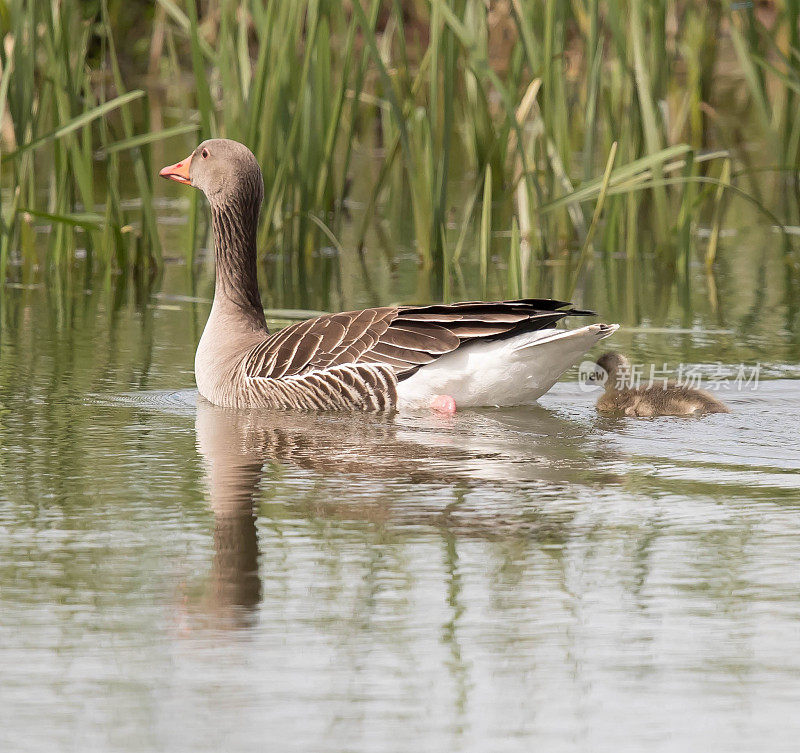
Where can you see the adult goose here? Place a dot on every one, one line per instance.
(391, 357)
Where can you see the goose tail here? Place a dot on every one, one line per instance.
(513, 371)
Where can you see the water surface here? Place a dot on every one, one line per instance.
(178, 577)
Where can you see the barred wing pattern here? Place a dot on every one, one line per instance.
(354, 360)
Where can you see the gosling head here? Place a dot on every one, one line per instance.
(223, 170)
(611, 366)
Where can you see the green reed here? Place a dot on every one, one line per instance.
(69, 122)
(527, 136)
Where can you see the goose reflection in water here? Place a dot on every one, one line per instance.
(232, 476)
(470, 469)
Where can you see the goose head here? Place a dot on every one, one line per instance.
(228, 174)
(224, 170)
(610, 366)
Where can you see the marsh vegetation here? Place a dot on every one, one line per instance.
(518, 145)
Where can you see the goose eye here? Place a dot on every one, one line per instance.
(204, 153)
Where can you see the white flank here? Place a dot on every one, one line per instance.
(514, 371)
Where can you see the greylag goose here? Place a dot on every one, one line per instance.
(392, 357)
(669, 399)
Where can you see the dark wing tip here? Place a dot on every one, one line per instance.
(580, 312)
(547, 304)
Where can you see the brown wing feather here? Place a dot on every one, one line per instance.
(319, 343)
(315, 364)
(420, 334)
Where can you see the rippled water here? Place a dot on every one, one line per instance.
(178, 577)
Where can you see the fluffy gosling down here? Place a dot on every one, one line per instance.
(656, 400)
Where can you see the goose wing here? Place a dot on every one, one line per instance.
(314, 364)
(418, 335)
(355, 358)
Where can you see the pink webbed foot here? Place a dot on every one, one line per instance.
(444, 404)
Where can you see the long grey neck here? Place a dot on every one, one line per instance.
(234, 222)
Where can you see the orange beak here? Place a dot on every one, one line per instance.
(179, 171)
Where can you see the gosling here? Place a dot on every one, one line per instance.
(657, 400)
